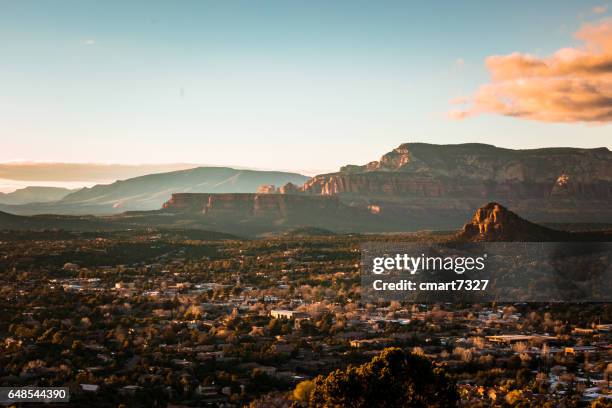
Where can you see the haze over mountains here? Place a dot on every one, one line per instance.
(34, 194)
(93, 172)
(415, 186)
(149, 192)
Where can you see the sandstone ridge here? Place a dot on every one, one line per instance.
(249, 203)
(472, 169)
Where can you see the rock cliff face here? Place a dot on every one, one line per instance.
(289, 188)
(251, 214)
(276, 205)
(266, 189)
(493, 222)
(474, 170)
(436, 186)
(424, 186)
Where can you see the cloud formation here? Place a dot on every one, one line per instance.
(600, 9)
(572, 85)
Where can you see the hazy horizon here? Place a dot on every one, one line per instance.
(298, 87)
(19, 174)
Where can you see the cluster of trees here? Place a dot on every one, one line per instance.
(394, 378)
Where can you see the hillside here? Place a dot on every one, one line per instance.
(34, 194)
(151, 191)
(251, 215)
(59, 222)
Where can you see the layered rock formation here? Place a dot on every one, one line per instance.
(278, 205)
(266, 189)
(288, 188)
(424, 186)
(493, 222)
(252, 214)
(468, 170)
(438, 185)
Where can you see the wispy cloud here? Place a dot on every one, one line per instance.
(89, 41)
(600, 9)
(572, 85)
(64, 172)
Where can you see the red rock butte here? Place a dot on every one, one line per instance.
(494, 222)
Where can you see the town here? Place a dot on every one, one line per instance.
(180, 318)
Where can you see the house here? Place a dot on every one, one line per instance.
(268, 370)
(181, 362)
(130, 390)
(580, 349)
(514, 338)
(370, 342)
(90, 387)
(207, 391)
(288, 314)
(580, 330)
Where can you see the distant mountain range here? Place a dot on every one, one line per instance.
(79, 172)
(423, 186)
(151, 191)
(34, 195)
(464, 170)
(416, 186)
(441, 184)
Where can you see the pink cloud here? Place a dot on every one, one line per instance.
(571, 85)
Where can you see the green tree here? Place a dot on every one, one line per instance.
(392, 379)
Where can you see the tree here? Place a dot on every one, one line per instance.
(392, 379)
(303, 391)
(601, 403)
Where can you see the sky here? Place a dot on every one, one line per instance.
(305, 86)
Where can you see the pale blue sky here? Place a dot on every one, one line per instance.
(306, 86)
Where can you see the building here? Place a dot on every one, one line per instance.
(515, 338)
(288, 314)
